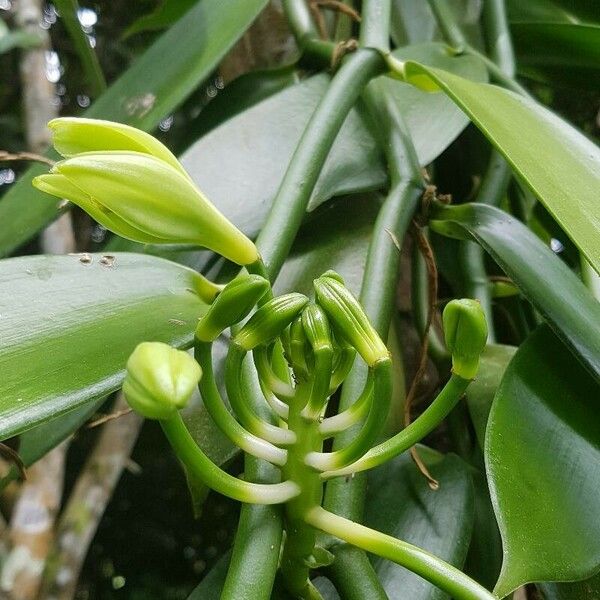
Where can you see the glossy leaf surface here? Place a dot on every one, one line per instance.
(240, 164)
(400, 503)
(152, 87)
(542, 277)
(482, 390)
(69, 327)
(558, 164)
(559, 54)
(543, 463)
(588, 589)
(35, 443)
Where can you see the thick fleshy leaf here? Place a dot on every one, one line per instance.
(35, 443)
(589, 589)
(68, 11)
(149, 90)
(69, 324)
(482, 390)
(558, 164)
(400, 503)
(165, 14)
(542, 277)
(412, 21)
(337, 237)
(240, 164)
(560, 54)
(553, 11)
(542, 455)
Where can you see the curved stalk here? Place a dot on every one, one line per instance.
(206, 471)
(254, 424)
(430, 567)
(342, 368)
(281, 409)
(282, 390)
(352, 415)
(435, 413)
(224, 419)
(371, 429)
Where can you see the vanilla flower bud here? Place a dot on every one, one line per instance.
(465, 331)
(133, 185)
(160, 380)
(349, 319)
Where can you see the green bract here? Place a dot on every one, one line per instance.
(465, 331)
(233, 304)
(160, 379)
(132, 185)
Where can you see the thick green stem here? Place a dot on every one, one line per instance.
(289, 205)
(495, 25)
(300, 21)
(375, 24)
(433, 569)
(214, 477)
(300, 536)
(435, 413)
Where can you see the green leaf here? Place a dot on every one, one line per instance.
(336, 237)
(553, 11)
(239, 95)
(542, 455)
(165, 14)
(69, 327)
(240, 164)
(36, 442)
(68, 11)
(588, 589)
(542, 277)
(558, 164)
(482, 390)
(560, 54)
(148, 91)
(400, 503)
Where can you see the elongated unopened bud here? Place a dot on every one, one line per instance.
(316, 327)
(465, 331)
(159, 380)
(349, 319)
(133, 185)
(270, 320)
(233, 304)
(75, 135)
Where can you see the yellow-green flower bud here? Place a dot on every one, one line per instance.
(159, 380)
(72, 136)
(349, 320)
(316, 327)
(465, 331)
(132, 185)
(270, 320)
(232, 305)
